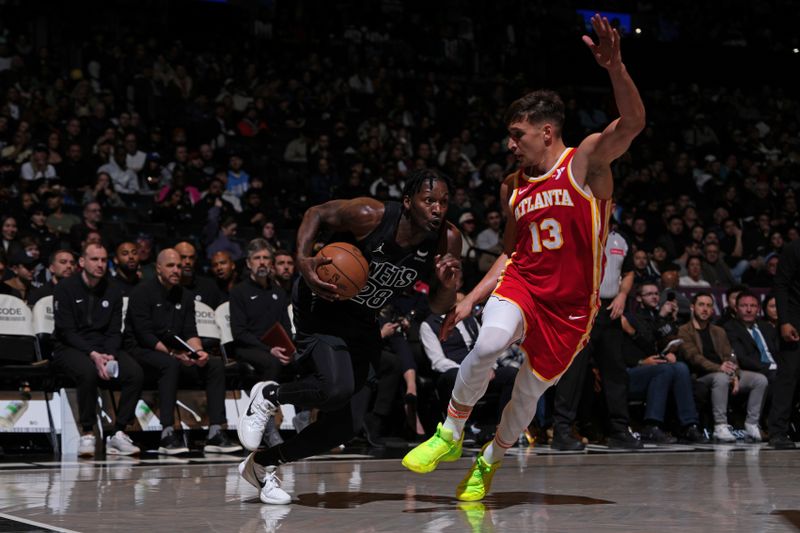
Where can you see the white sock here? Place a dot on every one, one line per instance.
(493, 453)
(455, 421)
(455, 425)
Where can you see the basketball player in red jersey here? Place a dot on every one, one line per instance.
(557, 206)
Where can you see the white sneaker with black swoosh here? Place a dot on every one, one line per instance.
(253, 421)
(271, 492)
(266, 480)
(252, 472)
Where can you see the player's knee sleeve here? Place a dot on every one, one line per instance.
(492, 341)
(519, 412)
(473, 376)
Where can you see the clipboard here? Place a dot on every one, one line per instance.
(276, 335)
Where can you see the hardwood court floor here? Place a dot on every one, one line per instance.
(728, 489)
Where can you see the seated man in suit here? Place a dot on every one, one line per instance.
(707, 350)
(754, 341)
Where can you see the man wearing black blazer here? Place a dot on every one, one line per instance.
(755, 344)
(754, 341)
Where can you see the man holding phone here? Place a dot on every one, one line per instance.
(654, 370)
(161, 334)
(88, 320)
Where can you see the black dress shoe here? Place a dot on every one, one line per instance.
(657, 435)
(172, 444)
(782, 442)
(565, 442)
(624, 440)
(694, 435)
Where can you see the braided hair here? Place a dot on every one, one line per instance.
(416, 178)
(414, 182)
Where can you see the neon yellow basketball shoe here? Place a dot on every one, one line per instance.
(477, 483)
(440, 447)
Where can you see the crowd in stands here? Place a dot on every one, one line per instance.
(143, 144)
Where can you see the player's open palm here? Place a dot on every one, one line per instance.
(308, 268)
(607, 50)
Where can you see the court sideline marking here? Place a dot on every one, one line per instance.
(35, 523)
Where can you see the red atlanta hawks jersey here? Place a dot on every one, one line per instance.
(561, 232)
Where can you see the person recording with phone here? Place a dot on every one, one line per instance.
(670, 280)
(653, 369)
(160, 316)
(88, 322)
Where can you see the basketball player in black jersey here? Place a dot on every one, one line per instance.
(338, 340)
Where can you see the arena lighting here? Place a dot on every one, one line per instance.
(796, 50)
(638, 31)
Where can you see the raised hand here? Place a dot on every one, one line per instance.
(607, 50)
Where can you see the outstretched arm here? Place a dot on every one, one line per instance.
(597, 151)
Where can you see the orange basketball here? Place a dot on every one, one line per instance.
(348, 271)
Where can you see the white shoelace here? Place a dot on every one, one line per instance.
(272, 479)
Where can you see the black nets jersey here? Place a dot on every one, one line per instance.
(391, 269)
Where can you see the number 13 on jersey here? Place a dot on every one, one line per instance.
(547, 233)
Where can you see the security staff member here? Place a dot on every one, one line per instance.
(605, 344)
(256, 304)
(158, 310)
(88, 322)
(787, 298)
